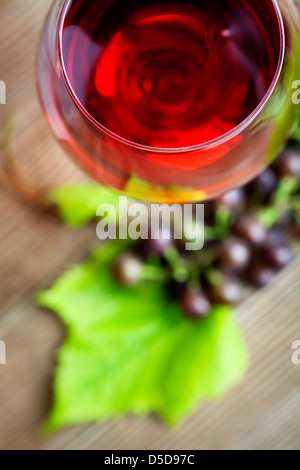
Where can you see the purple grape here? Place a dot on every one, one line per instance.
(232, 200)
(159, 240)
(128, 269)
(234, 254)
(288, 163)
(264, 185)
(278, 256)
(249, 227)
(195, 304)
(260, 274)
(227, 291)
(274, 237)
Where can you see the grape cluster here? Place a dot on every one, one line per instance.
(246, 247)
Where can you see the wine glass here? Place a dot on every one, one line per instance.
(170, 101)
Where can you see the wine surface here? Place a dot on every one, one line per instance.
(167, 74)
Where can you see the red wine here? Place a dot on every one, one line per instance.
(147, 96)
(166, 74)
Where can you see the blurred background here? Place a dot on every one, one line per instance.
(262, 413)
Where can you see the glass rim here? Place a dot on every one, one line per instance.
(171, 150)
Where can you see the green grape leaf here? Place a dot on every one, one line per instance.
(131, 350)
(78, 202)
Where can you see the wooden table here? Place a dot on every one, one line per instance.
(262, 413)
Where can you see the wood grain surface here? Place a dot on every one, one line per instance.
(262, 413)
